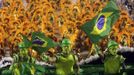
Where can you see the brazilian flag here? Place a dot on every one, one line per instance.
(100, 26)
(41, 43)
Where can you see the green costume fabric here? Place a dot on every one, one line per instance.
(65, 60)
(112, 61)
(113, 64)
(65, 65)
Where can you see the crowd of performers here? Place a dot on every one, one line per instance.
(59, 19)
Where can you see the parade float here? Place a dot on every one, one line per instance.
(65, 37)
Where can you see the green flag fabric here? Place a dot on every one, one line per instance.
(100, 26)
(41, 43)
(25, 44)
